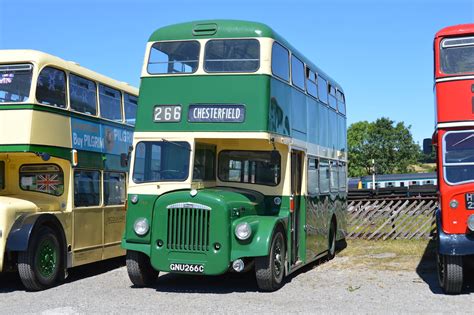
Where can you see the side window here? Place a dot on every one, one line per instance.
(110, 103)
(280, 62)
(332, 96)
(204, 163)
(51, 87)
(232, 55)
(313, 183)
(342, 176)
(341, 102)
(297, 72)
(2, 175)
(324, 176)
(323, 89)
(334, 178)
(130, 103)
(114, 188)
(82, 95)
(86, 188)
(311, 83)
(44, 178)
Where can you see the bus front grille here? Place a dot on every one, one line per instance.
(188, 227)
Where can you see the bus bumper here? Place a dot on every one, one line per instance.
(453, 244)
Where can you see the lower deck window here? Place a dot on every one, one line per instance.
(2, 175)
(86, 188)
(44, 178)
(253, 167)
(204, 163)
(114, 188)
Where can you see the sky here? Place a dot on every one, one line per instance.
(380, 52)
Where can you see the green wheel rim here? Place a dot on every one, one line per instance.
(46, 259)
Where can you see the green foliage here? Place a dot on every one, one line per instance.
(390, 144)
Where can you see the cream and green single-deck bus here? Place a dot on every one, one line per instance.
(65, 132)
(239, 156)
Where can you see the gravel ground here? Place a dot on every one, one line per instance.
(326, 287)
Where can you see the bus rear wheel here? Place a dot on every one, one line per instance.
(139, 269)
(39, 266)
(270, 270)
(450, 273)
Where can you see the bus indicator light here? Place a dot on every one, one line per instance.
(74, 157)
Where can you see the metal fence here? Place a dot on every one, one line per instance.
(400, 218)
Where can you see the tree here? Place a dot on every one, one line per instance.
(390, 144)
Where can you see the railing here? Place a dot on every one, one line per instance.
(392, 218)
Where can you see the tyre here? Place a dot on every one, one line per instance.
(40, 265)
(332, 241)
(270, 270)
(139, 269)
(450, 273)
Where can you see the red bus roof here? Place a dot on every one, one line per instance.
(455, 30)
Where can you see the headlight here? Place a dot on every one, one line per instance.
(453, 204)
(243, 231)
(470, 222)
(141, 226)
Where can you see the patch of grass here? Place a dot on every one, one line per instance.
(386, 255)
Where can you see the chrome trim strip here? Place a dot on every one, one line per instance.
(456, 78)
(188, 205)
(456, 124)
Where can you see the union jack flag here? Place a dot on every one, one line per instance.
(48, 183)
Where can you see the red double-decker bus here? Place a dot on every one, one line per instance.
(454, 142)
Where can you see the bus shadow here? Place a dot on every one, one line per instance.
(230, 282)
(10, 282)
(427, 271)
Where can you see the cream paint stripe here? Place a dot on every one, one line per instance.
(458, 78)
(41, 128)
(456, 124)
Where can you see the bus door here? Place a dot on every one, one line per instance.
(296, 183)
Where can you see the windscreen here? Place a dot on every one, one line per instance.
(253, 167)
(157, 161)
(15, 82)
(459, 156)
(457, 55)
(174, 57)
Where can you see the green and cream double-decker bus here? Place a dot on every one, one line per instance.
(65, 133)
(239, 156)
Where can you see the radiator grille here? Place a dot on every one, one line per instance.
(188, 227)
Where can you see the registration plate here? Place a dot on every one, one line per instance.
(190, 268)
(470, 201)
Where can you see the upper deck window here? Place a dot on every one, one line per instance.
(51, 87)
(322, 89)
(83, 95)
(297, 72)
(110, 103)
(15, 82)
(311, 83)
(161, 161)
(280, 62)
(174, 57)
(253, 167)
(130, 103)
(341, 102)
(44, 178)
(332, 96)
(232, 55)
(459, 157)
(457, 55)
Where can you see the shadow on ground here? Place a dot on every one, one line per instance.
(10, 282)
(426, 269)
(224, 284)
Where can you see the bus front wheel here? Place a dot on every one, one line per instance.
(139, 269)
(450, 273)
(39, 266)
(270, 270)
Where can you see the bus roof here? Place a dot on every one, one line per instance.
(461, 29)
(205, 29)
(41, 58)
